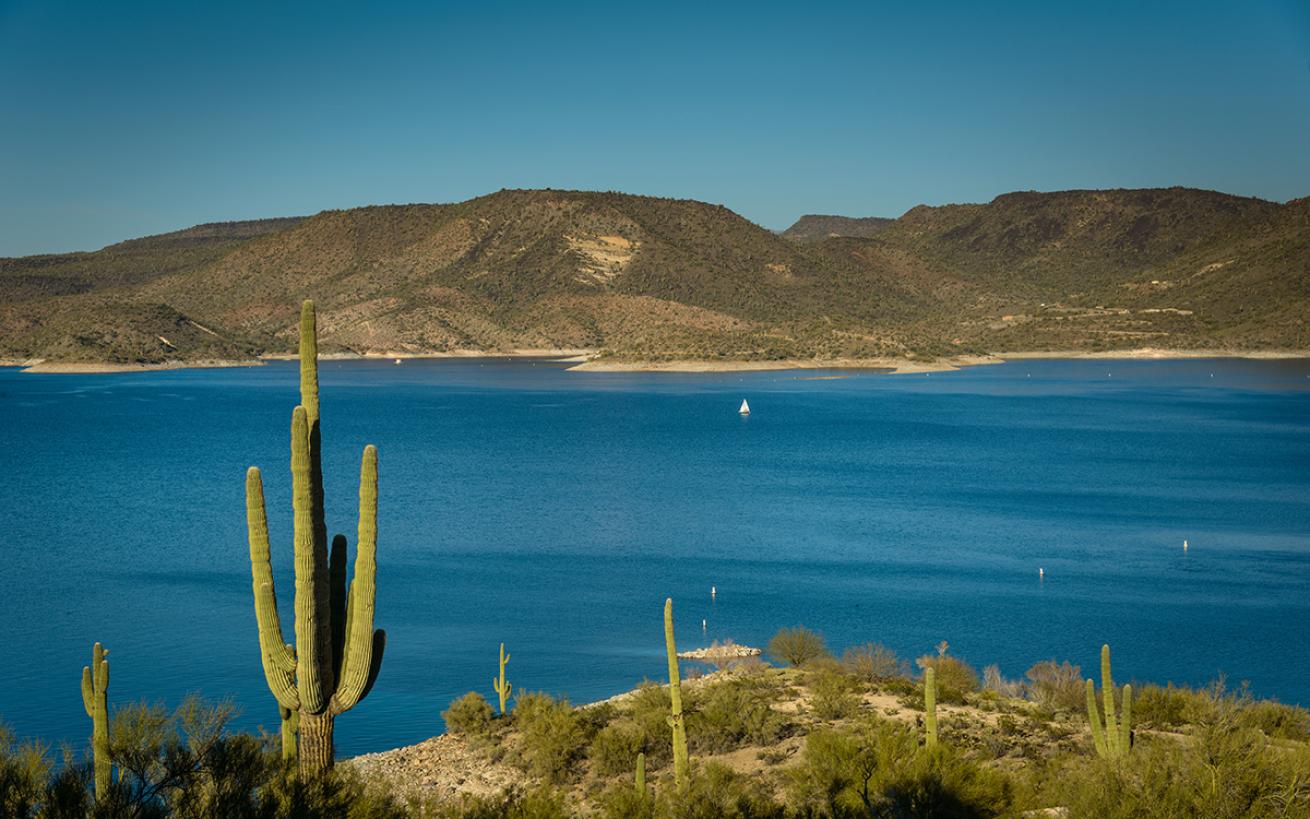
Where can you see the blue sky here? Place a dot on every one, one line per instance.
(126, 119)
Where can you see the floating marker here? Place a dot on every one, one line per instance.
(1184, 545)
(703, 624)
(1041, 573)
(714, 592)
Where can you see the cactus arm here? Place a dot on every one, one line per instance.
(680, 761)
(1098, 732)
(88, 691)
(379, 646)
(1107, 693)
(309, 361)
(313, 638)
(278, 662)
(337, 602)
(1125, 721)
(357, 658)
(290, 728)
(930, 704)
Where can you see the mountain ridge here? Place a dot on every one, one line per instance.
(655, 279)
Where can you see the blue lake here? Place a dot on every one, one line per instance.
(555, 511)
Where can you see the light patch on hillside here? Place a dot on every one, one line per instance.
(602, 257)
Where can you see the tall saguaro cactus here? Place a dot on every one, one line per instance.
(1113, 738)
(95, 698)
(337, 653)
(675, 695)
(502, 686)
(930, 704)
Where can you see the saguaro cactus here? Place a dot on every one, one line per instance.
(1113, 738)
(675, 696)
(641, 775)
(95, 698)
(930, 704)
(337, 653)
(502, 686)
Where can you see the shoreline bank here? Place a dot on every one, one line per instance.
(588, 361)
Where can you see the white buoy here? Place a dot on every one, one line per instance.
(703, 625)
(714, 592)
(1184, 545)
(397, 360)
(1041, 573)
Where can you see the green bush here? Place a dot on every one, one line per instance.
(1170, 706)
(718, 792)
(874, 663)
(1276, 720)
(513, 803)
(834, 694)
(469, 715)
(735, 712)
(797, 646)
(554, 736)
(955, 677)
(877, 768)
(1057, 686)
(615, 748)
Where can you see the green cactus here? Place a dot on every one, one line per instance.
(675, 695)
(641, 775)
(930, 704)
(1112, 738)
(337, 653)
(290, 728)
(95, 698)
(502, 686)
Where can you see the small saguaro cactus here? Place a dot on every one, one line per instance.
(1113, 738)
(502, 686)
(641, 775)
(930, 705)
(675, 696)
(95, 698)
(337, 653)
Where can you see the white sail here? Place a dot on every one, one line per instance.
(745, 408)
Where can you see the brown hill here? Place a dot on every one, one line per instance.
(815, 227)
(646, 278)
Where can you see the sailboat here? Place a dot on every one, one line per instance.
(745, 408)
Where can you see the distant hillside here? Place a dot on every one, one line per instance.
(645, 278)
(814, 227)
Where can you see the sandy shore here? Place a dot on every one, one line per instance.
(69, 367)
(894, 365)
(587, 361)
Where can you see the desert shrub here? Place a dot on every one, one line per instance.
(1171, 706)
(955, 677)
(1276, 720)
(834, 694)
(874, 663)
(878, 768)
(797, 646)
(512, 803)
(470, 715)
(1056, 686)
(554, 735)
(940, 782)
(24, 770)
(732, 713)
(649, 709)
(621, 801)
(615, 748)
(717, 791)
(994, 682)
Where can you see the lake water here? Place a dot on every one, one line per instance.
(555, 511)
